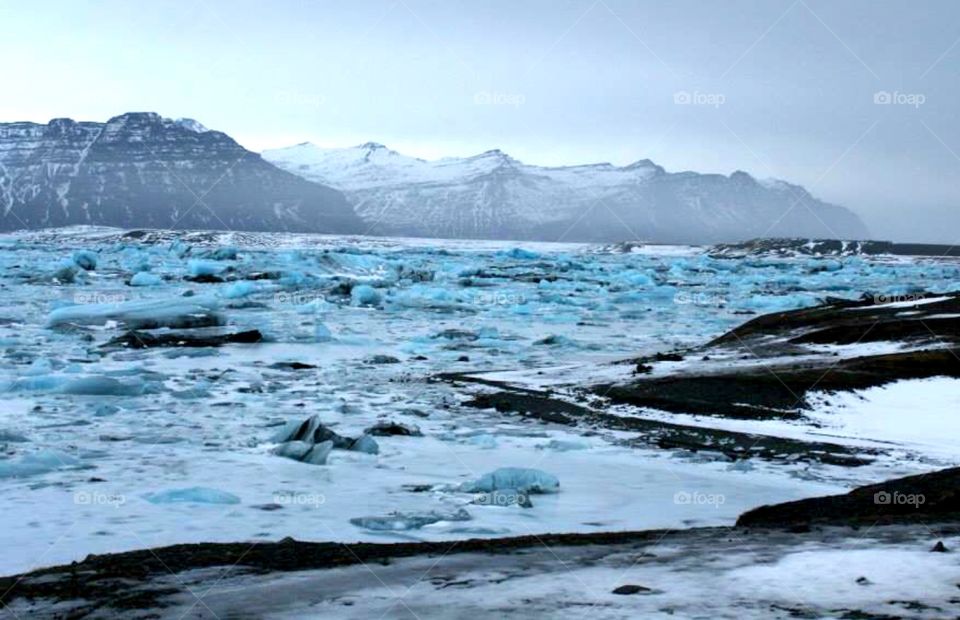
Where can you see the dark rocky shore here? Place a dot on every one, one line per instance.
(831, 247)
(765, 368)
(762, 370)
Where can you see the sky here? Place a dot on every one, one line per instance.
(857, 100)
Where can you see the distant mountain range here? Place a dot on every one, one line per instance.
(492, 195)
(140, 170)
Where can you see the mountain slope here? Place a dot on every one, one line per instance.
(139, 170)
(492, 195)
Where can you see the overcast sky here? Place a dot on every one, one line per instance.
(778, 88)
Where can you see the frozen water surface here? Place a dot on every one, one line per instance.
(115, 447)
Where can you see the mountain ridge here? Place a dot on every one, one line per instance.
(140, 170)
(494, 195)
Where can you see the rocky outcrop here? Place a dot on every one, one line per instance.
(765, 368)
(928, 498)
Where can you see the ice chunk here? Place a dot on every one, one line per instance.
(179, 248)
(520, 478)
(104, 386)
(42, 383)
(427, 297)
(7, 436)
(145, 278)
(318, 453)
(152, 314)
(239, 289)
(520, 253)
(311, 442)
(66, 274)
(103, 411)
(293, 279)
(818, 265)
(39, 367)
(485, 441)
(192, 495)
(36, 463)
(555, 340)
(198, 267)
(305, 452)
(366, 444)
(779, 303)
(225, 253)
(295, 450)
(85, 259)
(93, 385)
(562, 445)
(402, 521)
(312, 431)
(364, 295)
(385, 428)
(321, 333)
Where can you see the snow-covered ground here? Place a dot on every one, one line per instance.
(94, 439)
(880, 573)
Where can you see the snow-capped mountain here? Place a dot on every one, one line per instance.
(492, 195)
(140, 170)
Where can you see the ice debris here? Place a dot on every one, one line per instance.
(520, 253)
(518, 478)
(85, 259)
(364, 295)
(8, 436)
(366, 444)
(198, 268)
(145, 278)
(305, 452)
(239, 289)
(36, 463)
(296, 438)
(402, 521)
(93, 385)
(225, 253)
(192, 495)
(385, 428)
(564, 445)
(173, 313)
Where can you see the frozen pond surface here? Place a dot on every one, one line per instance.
(109, 448)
